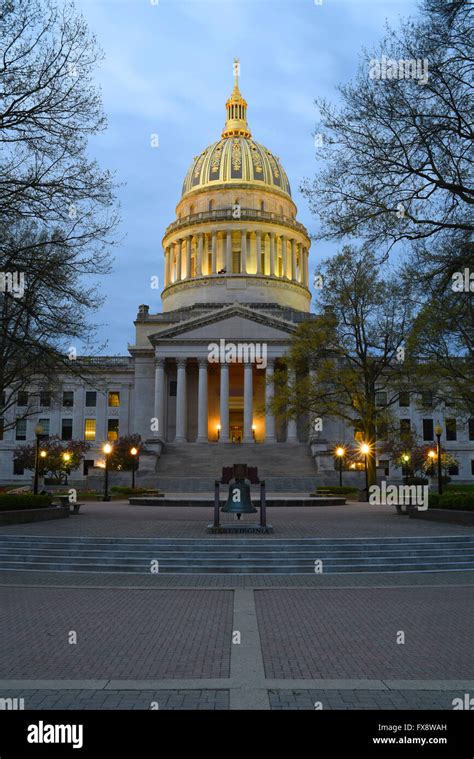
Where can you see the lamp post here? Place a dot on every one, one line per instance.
(406, 459)
(365, 449)
(66, 459)
(431, 456)
(340, 453)
(38, 433)
(134, 453)
(107, 449)
(437, 431)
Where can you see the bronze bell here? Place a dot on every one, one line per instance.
(238, 501)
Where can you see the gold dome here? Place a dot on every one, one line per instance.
(236, 158)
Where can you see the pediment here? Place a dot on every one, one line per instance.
(231, 323)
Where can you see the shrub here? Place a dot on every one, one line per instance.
(452, 500)
(125, 490)
(336, 489)
(9, 502)
(415, 481)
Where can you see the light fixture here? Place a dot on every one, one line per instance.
(107, 448)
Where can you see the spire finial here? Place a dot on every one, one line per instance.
(236, 124)
(236, 73)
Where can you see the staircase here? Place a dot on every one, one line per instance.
(237, 556)
(193, 468)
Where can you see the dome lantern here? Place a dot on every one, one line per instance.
(236, 124)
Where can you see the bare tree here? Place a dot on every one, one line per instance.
(397, 152)
(57, 207)
(355, 349)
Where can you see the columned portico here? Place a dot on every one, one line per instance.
(269, 391)
(248, 403)
(181, 405)
(202, 436)
(292, 431)
(159, 410)
(224, 403)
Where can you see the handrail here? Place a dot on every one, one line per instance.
(248, 214)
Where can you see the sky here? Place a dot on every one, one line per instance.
(168, 72)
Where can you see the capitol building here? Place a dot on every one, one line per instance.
(201, 370)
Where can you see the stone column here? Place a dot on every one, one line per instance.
(283, 256)
(178, 263)
(188, 256)
(272, 254)
(199, 254)
(293, 260)
(168, 265)
(306, 261)
(248, 403)
(214, 252)
(228, 253)
(181, 410)
(291, 430)
(269, 390)
(258, 251)
(300, 261)
(202, 402)
(159, 410)
(243, 247)
(224, 404)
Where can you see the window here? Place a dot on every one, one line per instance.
(385, 465)
(427, 398)
(173, 387)
(382, 430)
(405, 426)
(68, 398)
(91, 398)
(45, 425)
(262, 205)
(114, 399)
(45, 399)
(403, 398)
(66, 429)
(86, 464)
(428, 429)
(21, 429)
(472, 467)
(381, 398)
(89, 429)
(17, 468)
(471, 428)
(22, 398)
(2, 426)
(211, 205)
(112, 429)
(451, 432)
(453, 470)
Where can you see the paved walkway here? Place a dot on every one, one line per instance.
(118, 519)
(378, 641)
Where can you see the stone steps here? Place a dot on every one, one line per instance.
(236, 556)
(193, 468)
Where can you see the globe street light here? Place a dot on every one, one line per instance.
(134, 453)
(107, 449)
(437, 431)
(365, 450)
(340, 453)
(38, 432)
(431, 456)
(66, 458)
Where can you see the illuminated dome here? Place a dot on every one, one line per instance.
(235, 237)
(236, 158)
